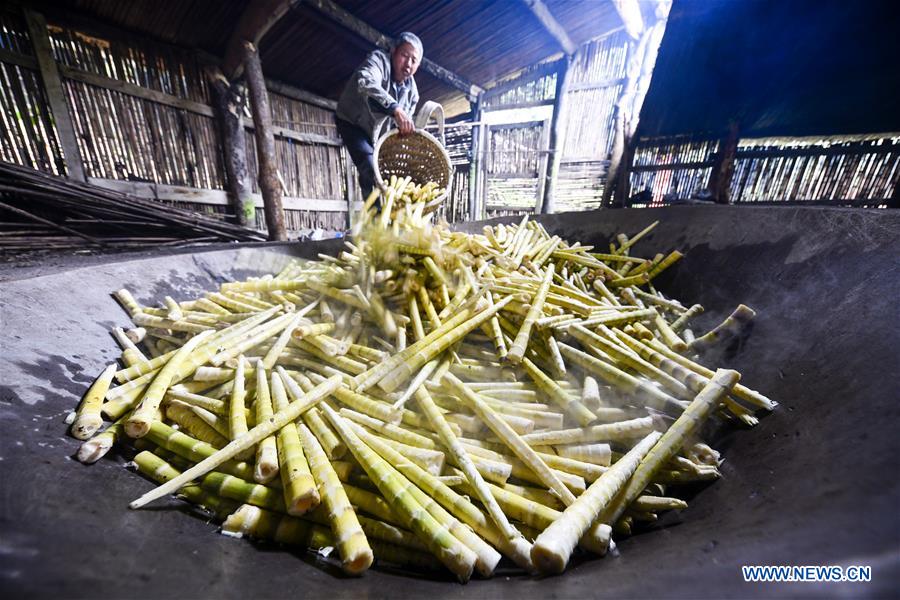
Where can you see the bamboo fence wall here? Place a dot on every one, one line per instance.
(458, 142)
(596, 80)
(141, 113)
(844, 170)
(514, 167)
(27, 136)
(516, 159)
(840, 171)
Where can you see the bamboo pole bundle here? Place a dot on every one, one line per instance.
(465, 388)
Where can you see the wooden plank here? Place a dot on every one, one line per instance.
(305, 138)
(174, 193)
(569, 160)
(553, 27)
(269, 181)
(596, 85)
(337, 14)
(18, 59)
(674, 166)
(533, 104)
(818, 151)
(511, 175)
(301, 95)
(184, 104)
(547, 203)
(136, 91)
(519, 125)
(56, 96)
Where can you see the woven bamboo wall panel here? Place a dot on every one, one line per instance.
(579, 186)
(300, 116)
(154, 66)
(515, 150)
(308, 170)
(28, 135)
(826, 170)
(129, 138)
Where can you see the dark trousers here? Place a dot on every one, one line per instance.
(361, 151)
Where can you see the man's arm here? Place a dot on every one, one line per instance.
(371, 74)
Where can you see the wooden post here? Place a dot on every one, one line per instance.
(269, 183)
(553, 27)
(640, 60)
(228, 102)
(543, 167)
(617, 151)
(894, 200)
(56, 96)
(348, 185)
(623, 175)
(723, 166)
(475, 159)
(563, 76)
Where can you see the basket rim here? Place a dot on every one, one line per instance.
(445, 156)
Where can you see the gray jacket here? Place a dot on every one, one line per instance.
(371, 94)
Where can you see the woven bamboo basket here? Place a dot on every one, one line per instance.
(418, 155)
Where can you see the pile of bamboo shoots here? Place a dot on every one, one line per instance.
(427, 398)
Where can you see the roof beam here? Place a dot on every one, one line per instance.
(552, 26)
(630, 13)
(367, 32)
(255, 22)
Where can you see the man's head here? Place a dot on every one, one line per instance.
(405, 56)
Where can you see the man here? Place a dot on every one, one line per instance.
(383, 86)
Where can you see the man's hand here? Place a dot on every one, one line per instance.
(404, 123)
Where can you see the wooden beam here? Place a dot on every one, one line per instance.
(177, 193)
(181, 103)
(18, 59)
(256, 20)
(367, 32)
(596, 85)
(630, 13)
(557, 135)
(137, 91)
(700, 164)
(295, 93)
(269, 182)
(229, 105)
(56, 95)
(549, 22)
(723, 166)
(304, 138)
